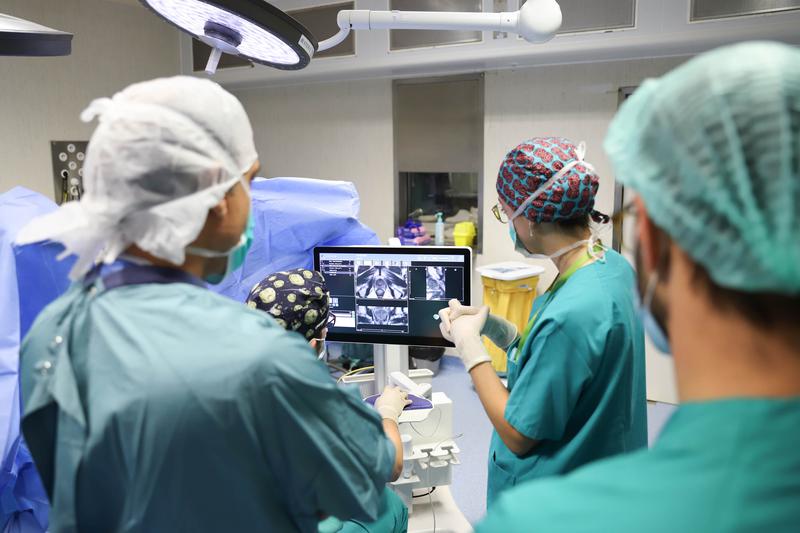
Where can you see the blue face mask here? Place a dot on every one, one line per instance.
(651, 326)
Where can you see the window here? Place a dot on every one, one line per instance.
(715, 9)
(403, 39)
(439, 151)
(596, 15)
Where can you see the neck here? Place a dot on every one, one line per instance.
(196, 266)
(559, 241)
(719, 354)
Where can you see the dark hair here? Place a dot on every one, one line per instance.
(766, 310)
(582, 222)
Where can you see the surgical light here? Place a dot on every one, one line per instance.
(19, 37)
(264, 34)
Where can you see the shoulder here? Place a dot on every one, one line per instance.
(597, 293)
(625, 494)
(209, 326)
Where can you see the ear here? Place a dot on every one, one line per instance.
(221, 209)
(648, 234)
(313, 343)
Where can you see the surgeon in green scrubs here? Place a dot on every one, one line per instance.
(153, 404)
(576, 378)
(713, 151)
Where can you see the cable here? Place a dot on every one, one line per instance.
(433, 511)
(354, 372)
(423, 495)
(438, 423)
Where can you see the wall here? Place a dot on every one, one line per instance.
(334, 131)
(115, 44)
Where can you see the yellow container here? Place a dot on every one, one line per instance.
(511, 299)
(464, 233)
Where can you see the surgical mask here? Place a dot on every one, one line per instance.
(519, 246)
(653, 329)
(235, 255)
(323, 350)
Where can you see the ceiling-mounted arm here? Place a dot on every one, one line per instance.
(536, 22)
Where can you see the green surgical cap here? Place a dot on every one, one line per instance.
(713, 149)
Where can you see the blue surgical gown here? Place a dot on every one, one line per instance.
(166, 407)
(30, 278)
(724, 466)
(578, 383)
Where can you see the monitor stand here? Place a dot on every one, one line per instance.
(430, 450)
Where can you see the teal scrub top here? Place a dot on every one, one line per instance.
(727, 466)
(165, 407)
(393, 518)
(577, 385)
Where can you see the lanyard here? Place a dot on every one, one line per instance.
(551, 292)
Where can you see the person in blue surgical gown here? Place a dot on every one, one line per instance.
(151, 403)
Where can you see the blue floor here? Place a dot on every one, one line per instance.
(469, 419)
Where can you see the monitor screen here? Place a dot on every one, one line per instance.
(391, 295)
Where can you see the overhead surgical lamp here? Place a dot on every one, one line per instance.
(264, 34)
(19, 37)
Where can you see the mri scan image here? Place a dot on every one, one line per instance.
(370, 315)
(435, 287)
(382, 283)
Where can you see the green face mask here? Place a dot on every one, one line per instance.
(235, 255)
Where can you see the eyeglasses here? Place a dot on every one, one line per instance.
(500, 214)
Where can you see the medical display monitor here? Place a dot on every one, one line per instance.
(392, 295)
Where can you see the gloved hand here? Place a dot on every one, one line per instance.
(391, 403)
(499, 330)
(465, 332)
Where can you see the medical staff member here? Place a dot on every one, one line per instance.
(151, 403)
(576, 378)
(713, 151)
(299, 301)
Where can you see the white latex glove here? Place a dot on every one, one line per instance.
(499, 330)
(391, 403)
(465, 332)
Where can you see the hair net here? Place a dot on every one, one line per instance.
(298, 299)
(164, 153)
(713, 148)
(531, 164)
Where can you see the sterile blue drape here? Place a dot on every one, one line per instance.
(30, 278)
(294, 215)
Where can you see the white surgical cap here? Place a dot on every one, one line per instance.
(713, 148)
(164, 153)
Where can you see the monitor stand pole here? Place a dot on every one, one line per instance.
(389, 358)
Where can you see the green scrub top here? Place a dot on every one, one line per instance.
(577, 385)
(727, 466)
(165, 407)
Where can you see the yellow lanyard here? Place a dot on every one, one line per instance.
(551, 292)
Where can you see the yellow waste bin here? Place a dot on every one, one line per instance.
(509, 290)
(464, 233)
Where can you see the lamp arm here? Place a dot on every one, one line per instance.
(536, 22)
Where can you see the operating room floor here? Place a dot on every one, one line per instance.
(469, 478)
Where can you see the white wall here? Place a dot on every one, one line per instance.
(115, 44)
(334, 131)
